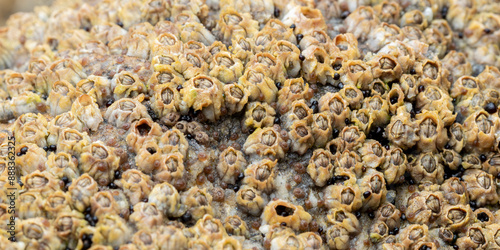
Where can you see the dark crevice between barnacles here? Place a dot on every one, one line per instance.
(378, 134)
(448, 173)
(92, 220)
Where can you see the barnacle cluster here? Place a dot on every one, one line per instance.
(245, 124)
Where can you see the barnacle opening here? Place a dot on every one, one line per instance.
(428, 163)
(484, 181)
(164, 77)
(347, 196)
(269, 138)
(262, 173)
(428, 128)
(284, 211)
(33, 231)
(376, 184)
(203, 83)
(456, 215)
(483, 123)
(126, 79)
(99, 152)
(477, 236)
(259, 113)
(433, 203)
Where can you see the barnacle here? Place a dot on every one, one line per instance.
(125, 111)
(81, 190)
(320, 167)
(480, 186)
(100, 162)
(280, 211)
(135, 184)
(231, 163)
(203, 93)
(265, 142)
(347, 197)
(261, 175)
(250, 200)
(166, 198)
(258, 115)
(198, 202)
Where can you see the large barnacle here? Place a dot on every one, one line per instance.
(479, 131)
(320, 167)
(265, 142)
(61, 97)
(171, 167)
(100, 162)
(37, 233)
(203, 93)
(424, 207)
(87, 112)
(102, 203)
(455, 191)
(339, 216)
(135, 184)
(258, 115)
(127, 85)
(321, 129)
(337, 107)
(279, 211)
(34, 159)
(235, 97)
(301, 137)
(413, 234)
(435, 99)
(173, 141)
(250, 200)
(261, 175)
(373, 182)
(198, 202)
(225, 67)
(62, 165)
(43, 183)
(146, 215)
(292, 90)
(402, 130)
(81, 190)
(231, 164)
(347, 197)
(125, 111)
(480, 186)
(142, 131)
(337, 237)
(165, 197)
(30, 205)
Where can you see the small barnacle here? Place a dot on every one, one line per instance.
(59, 123)
(87, 112)
(103, 203)
(62, 165)
(31, 128)
(209, 229)
(141, 131)
(479, 130)
(339, 216)
(65, 69)
(412, 234)
(488, 79)
(165, 75)
(232, 24)
(349, 161)
(30, 205)
(145, 238)
(231, 163)
(166, 198)
(67, 225)
(149, 157)
(301, 137)
(43, 183)
(111, 230)
(165, 102)
(361, 21)
(279, 211)
(36, 233)
(471, 161)
(373, 155)
(358, 73)
(127, 85)
(476, 238)
(286, 240)
(388, 12)
(389, 214)
(258, 115)
(455, 217)
(190, 64)
(337, 237)
(61, 97)
(414, 18)
(166, 44)
(321, 128)
(455, 191)
(198, 202)
(250, 200)
(259, 84)
(171, 237)
(352, 137)
(385, 67)
(409, 85)
(100, 162)
(171, 168)
(97, 87)
(424, 207)
(480, 187)
(379, 109)
(203, 93)
(56, 203)
(265, 142)
(225, 67)
(146, 215)
(493, 231)
(337, 107)
(347, 197)
(395, 98)
(81, 190)
(402, 131)
(289, 54)
(135, 184)
(135, 44)
(293, 89)
(378, 231)
(125, 111)
(272, 67)
(34, 159)
(374, 183)
(234, 225)
(434, 99)
(433, 135)
(298, 110)
(235, 97)
(316, 64)
(427, 168)
(261, 175)
(242, 48)
(173, 140)
(352, 95)
(320, 167)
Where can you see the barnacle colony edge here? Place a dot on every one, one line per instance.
(252, 124)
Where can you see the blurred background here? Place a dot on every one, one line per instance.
(8, 7)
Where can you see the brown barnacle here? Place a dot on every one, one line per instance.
(382, 35)
(404, 53)
(378, 231)
(30, 205)
(479, 131)
(409, 85)
(455, 191)
(103, 203)
(98, 87)
(320, 167)
(166, 44)
(427, 168)
(146, 215)
(125, 111)
(493, 231)
(389, 214)
(141, 131)
(250, 200)
(67, 225)
(431, 130)
(372, 182)
(61, 97)
(41, 182)
(414, 18)
(87, 112)
(316, 64)
(476, 237)
(348, 161)
(289, 54)
(373, 154)
(337, 237)
(37, 233)
(165, 102)
(293, 89)
(190, 64)
(209, 229)
(480, 187)
(412, 234)
(346, 196)
(258, 115)
(352, 95)
(339, 216)
(385, 67)
(231, 163)
(135, 184)
(242, 48)
(81, 190)
(388, 12)
(457, 137)
(262, 41)
(198, 202)
(166, 198)
(127, 85)
(337, 107)
(357, 73)
(455, 217)
(173, 140)
(225, 67)
(16, 83)
(271, 66)
(395, 98)
(321, 128)
(379, 109)
(265, 142)
(279, 31)
(203, 93)
(234, 225)
(65, 69)
(261, 175)
(488, 79)
(232, 24)
(402, 130)
(171, 168)
(301, 137)
(298, 111)
(279, 211)
(56, 203)
(59, 123)
(451, 159)
(353, 137)
(377, 87)
(111, 230)
(33, 160)
(394, 166)
(361, 21)
(171, 237)
(235, 97)
(432, 74)
(424, 207)
(311, 240)
(472, 161)
(464, 87)
(100, 162)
